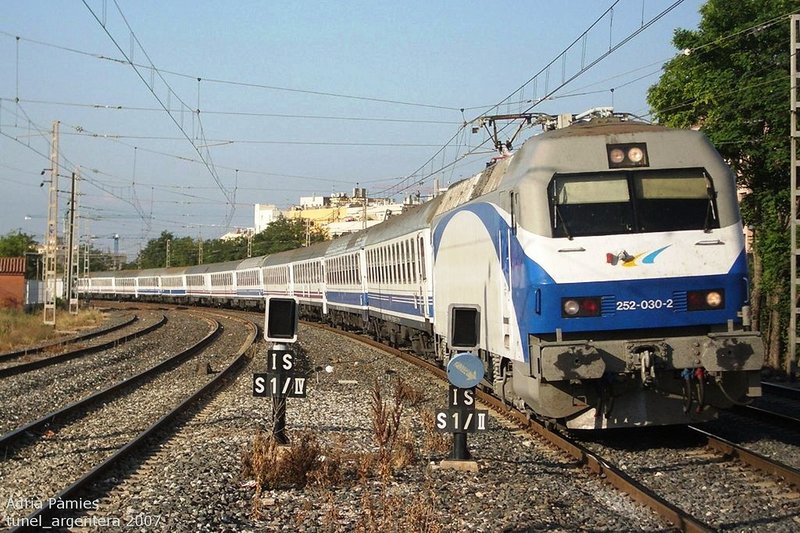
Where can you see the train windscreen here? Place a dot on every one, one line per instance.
(641, 201)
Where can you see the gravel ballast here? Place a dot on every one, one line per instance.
(195, 481)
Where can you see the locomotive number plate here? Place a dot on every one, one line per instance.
(644, 305)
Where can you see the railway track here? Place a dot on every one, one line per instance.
(613, 475)
(624, 470)
(25, 364)
(30, 394)
(51, 346)
(783, 391)
(166, 391)
(721, 452)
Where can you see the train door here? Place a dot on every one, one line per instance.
(424, 277)
(363, 297)
(505, 238)
(323, 284)
(504, 280)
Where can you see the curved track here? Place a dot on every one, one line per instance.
(29, 350)
(21, 368)
(596, 462)
(43, 428)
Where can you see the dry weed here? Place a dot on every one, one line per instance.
(433, 442)
(19, 329)
(293, 466)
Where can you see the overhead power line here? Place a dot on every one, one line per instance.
(205, 158)
(118, 107)
(237, 83)
(399, 188)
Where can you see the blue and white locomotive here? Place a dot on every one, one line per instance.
(605, 259)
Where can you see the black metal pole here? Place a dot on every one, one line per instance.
(279, 420)
(460, 451)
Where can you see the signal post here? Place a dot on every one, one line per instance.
(464, 372)
(282, 379)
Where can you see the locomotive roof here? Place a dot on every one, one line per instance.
(602, 126)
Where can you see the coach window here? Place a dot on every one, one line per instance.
(422, 273)
(390, 253)
(401, 258)
(398, 261)
(401, 262)
(378, 272)
(412, 246)
(409, 260)
(406, 260)
(349, 271)
(398, 273)
(409, 269)
(386, 265)
(396, 257)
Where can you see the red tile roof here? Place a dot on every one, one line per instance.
(12, 265)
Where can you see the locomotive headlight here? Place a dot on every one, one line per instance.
(616, 156)
(580, 307)
(714, 299)
(636, 155)
(707, 300)
(627, 155)
(571, 307)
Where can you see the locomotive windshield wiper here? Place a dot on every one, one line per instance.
(711, 213)
(560, 216)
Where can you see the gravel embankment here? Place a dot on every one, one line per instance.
(194, 480)
(724, 494)
(43, 468)
(28, 396)
(781, 444)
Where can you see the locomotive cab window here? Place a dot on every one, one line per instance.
(632, 202)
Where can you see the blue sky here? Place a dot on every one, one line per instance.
(295, 98)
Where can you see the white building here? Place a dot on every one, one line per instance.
(236, 234)
(265, 214)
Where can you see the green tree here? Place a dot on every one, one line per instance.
(286, 234)
(154, 254)
(282, 234)
(15, 244)
(732, 81)
(99, 261)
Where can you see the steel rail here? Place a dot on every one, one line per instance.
(608, 472)
(783, 391)
(6, 356)
(66, 356)
(90, 478)
(15, 436)
(750, 458)
(759, 413)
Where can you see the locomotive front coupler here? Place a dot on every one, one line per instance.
(645, 358)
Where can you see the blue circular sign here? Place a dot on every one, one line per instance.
(465, 370)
